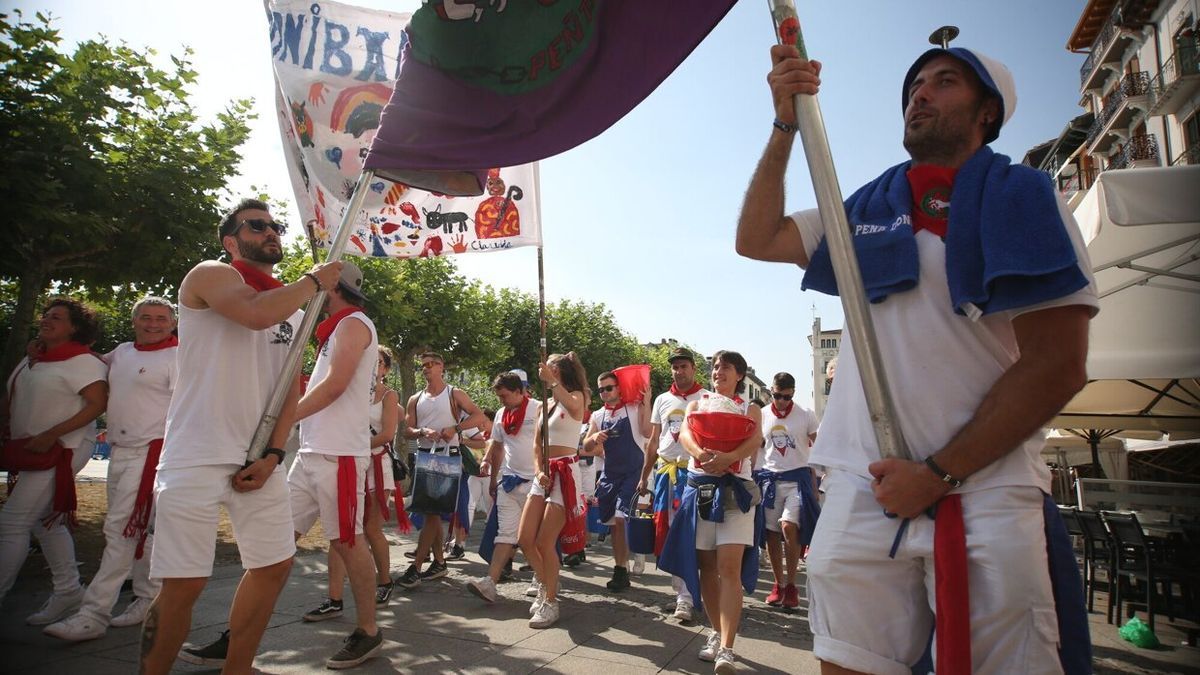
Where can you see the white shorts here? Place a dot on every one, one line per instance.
(587, 483)
(389, 480)
(313, 483)
(556, 495)
(872, 613)
(187, 509)
(787, 505)
(736, 528)
(508, 511)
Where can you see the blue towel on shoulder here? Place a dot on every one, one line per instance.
(679, 552)
(1006, 245)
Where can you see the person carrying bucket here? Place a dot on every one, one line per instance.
(618, 431)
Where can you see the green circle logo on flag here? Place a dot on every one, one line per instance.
(936, 202)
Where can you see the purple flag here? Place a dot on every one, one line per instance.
(487, 83)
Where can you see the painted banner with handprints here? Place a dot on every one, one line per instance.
(335, 66)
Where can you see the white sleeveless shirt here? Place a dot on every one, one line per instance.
(226, 374)
(433, 412)
(343, 427)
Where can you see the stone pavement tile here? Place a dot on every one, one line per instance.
(511, 661)
(92, 665)
(575, 626)
(640, 642)
(576, 665)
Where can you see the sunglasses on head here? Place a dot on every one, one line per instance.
(608, 388)
(258, 226)
(781, 397)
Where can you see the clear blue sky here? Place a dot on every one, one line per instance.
(642, 218)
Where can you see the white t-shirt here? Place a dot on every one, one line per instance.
(668, 412)
(434, 412)
(940, 365)
(226, 374)
(786, 440)
(745, 466)
(139, 392)
(47, 393)
(518, 448)
(343, 428)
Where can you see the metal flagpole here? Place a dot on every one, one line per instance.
(545, 449)
(841, 248)
(270, 416)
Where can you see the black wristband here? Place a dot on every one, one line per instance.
(784, 126)
(279, 454)
(945, 477)
(315, 280)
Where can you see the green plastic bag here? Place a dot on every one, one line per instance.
(1137, 632)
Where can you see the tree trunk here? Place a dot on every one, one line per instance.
(32, 282)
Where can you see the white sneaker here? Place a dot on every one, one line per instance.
(133, 615)
(76, 628)
(726, 665)
(684, 611)
(538, 601)
(483, 587)
(638, 564)
(56, 607)
(535, 587)
(546, 616)
(709, 651)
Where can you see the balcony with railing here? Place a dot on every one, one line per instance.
(1177, 82)
(1139, 151)
(1078, 181)
(1107, 52)
(1121, 106)
(1189, 156)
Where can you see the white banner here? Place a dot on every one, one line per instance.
(334, 69)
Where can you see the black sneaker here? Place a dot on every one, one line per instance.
(506, 574)
(456, 553)
(575, 559)
(212, 654)
(357, 648)
(435, 571)
(620, 580)
(330, 609)
(412, 555)
(383, 593)
(410, 579)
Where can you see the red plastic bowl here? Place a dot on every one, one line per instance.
(632, 381)
(720, 431)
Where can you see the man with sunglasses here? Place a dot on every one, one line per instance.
(667, 458)
(618, 435)
(433, 420)
(236, 323)
(788, 486)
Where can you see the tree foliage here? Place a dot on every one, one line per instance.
(107, 176)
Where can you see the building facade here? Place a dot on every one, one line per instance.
(825, 345)
(1139, 89)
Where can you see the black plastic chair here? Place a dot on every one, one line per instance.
(1140, 557)
(1098, 555)
(1070, 516)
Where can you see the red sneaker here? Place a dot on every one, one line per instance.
(791, 597)
(775, 597)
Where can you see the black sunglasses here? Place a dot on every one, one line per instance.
(781, 397)
(608, 388)
(258, 226)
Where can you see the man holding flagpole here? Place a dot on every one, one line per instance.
(237, 323)
(141, 377)
(982, 315)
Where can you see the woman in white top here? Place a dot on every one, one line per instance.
(385, 418)
(556, 487)
(53, 398)
(720, 546)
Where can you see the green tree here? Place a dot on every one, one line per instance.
(660, 369)
(106, 175)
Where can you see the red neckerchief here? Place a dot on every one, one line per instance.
(66, 350)
(512, 420)
(171, 341)
(737, 399)
(613, 408)
(325, 328)
(684, 394)
(779, 415)
(256, 278)
(931, 187)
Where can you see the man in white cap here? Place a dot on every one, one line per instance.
(982, 315)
